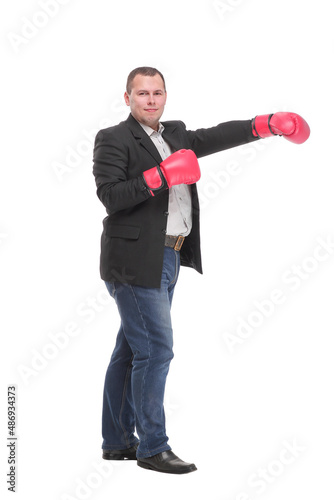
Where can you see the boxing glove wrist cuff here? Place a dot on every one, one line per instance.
(261, 126)
(154, 180)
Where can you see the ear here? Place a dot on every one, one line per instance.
(127, 98)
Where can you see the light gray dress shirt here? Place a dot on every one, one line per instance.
(179, 220)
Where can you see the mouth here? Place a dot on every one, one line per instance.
(151, 110)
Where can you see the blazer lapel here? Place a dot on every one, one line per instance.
(142, 138)
(171, 135)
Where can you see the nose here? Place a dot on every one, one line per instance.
(151, 98)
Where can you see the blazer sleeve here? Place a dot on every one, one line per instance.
(206, 141)
(114, 188)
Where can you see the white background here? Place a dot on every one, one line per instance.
(231, 411)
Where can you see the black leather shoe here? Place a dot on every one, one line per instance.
(166, 462)
(127, 454)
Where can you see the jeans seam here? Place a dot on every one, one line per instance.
(149, 353)
(127, 376)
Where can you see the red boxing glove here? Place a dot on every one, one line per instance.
(290, 125)
(180, 167)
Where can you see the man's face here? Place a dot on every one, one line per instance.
(147, 99)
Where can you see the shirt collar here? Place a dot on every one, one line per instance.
(150, 130)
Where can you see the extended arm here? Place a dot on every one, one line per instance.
(206, 141)
(230, 134)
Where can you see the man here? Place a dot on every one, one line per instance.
(146, 173)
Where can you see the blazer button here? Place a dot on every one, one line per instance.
(166, 213)
(164, 231)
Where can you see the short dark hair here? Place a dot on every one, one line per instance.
(145, 71)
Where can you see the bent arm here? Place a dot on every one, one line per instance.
(114, 188)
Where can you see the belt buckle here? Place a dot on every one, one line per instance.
(179, 243)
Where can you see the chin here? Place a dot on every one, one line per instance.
(152, 121)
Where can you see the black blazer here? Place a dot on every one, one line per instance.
(133, 237)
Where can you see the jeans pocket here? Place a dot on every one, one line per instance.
(177, 268)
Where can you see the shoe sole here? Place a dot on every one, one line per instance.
(118, 457)
(144, 465)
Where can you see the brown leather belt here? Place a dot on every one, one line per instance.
(175, 242)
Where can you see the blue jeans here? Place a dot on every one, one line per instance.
(136, 376)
